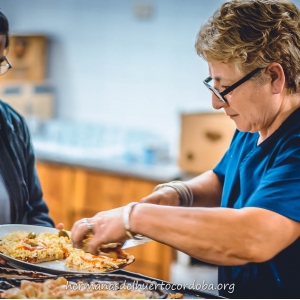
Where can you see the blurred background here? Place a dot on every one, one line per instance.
(112, 93)
(122, 64)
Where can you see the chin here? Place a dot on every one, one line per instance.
(244, 128)
(240, 129)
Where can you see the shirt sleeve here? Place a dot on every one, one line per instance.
(279, 190)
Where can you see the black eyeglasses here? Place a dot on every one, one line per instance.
(221, 95)
(5, 67)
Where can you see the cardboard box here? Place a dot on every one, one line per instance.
(29, 99)
(204, 139)
(28, 56)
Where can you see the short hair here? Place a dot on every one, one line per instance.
(252, 34)
(4, 28)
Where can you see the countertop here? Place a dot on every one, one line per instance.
(79, 157)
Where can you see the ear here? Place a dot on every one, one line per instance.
(276, 73)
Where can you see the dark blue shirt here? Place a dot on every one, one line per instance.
(265, 176)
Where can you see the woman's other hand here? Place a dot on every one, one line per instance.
(107, 227)
(2, 261)
(164, 196)
(60, 226)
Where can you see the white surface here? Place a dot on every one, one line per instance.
(62, 154)
(183, 259)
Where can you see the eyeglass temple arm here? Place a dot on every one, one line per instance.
(232, 87)
(8, 62)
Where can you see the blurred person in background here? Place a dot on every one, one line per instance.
(244, 215)
(21, 197)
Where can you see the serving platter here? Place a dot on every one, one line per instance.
(52, 267)
(150, 289)
(9, 277)
(9, 273)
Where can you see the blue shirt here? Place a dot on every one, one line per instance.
(265, 176)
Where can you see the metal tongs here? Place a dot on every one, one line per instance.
(132, 242)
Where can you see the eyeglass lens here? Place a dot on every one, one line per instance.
(4, 69)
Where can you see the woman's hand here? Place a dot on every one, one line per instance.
(107, 227)
(164, 196)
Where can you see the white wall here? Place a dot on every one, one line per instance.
(109, 66)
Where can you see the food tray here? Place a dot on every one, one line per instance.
(188, 293)
(9, 277)
(9, 273)
(6, 283)
(112, 280)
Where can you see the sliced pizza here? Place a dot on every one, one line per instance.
(46, 247)
(113, 250)
(80, 260)
(33, 248)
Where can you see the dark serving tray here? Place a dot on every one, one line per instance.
(9, 277)
(9, 273)
(16, 275)
(113, 281)
(188, 293)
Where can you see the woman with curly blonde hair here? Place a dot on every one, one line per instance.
(246, 211)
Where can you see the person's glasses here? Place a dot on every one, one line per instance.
(5, 65)
(221, 95)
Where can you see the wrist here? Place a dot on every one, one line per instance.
(127, 212)
(183, 190)
(169, 196)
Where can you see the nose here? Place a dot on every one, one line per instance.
(216, 102)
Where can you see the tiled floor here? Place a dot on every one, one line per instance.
(195, 275)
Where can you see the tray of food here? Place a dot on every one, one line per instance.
(9, 277)
(105, 286)
(9, 273)
(49, 250)
(174, 291)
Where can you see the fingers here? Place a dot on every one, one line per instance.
(94, 244)
(104, 234)
(79, 231)
(84, 226)
(2, 261)
(107, 227)
(99, 236)
(60, 226)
